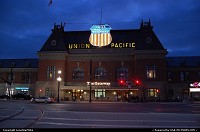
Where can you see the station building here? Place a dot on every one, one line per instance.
(123, 64)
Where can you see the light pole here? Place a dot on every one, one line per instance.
(39, 93)
(59, 79)
(90, 80)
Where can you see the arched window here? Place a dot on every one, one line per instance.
(78, 73)
(100, 73)
(122, 73)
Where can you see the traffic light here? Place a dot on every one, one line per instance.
(121, 82)
(137, 82)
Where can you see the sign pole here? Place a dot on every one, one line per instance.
(90, 80)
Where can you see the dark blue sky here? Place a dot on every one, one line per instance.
(26, 24)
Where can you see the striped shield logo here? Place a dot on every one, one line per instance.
(100, 35)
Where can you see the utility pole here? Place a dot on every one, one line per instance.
(90, 80)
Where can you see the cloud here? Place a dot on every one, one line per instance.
(25, 25)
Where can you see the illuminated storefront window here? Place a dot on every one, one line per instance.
(151, 71)
(51, 72)
(100, 73)
(122, 73)
(152, 93)
(100, 93)
(78, 73)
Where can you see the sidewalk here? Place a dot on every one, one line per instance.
(95, 101)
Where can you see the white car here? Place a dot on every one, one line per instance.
(43, 99)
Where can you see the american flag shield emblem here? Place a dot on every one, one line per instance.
(100, 35)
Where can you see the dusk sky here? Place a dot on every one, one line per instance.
(26, 24)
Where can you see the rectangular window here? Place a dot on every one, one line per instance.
(187, 76)
(169, 76)
(51, 72)
(151, 72)
(152, 93)
(26, 77)
(100, 93)
(184, 76)
(49, 92)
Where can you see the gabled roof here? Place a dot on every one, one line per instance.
(19, 63)
(56, 41)
(183, 61)
(144, 38)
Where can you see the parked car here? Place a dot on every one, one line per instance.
(21, 96)
(43, 99)
(4, 97)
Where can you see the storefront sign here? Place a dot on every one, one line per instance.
(194, 89)
(112, 45)
(99, 83)
(195, 85)
(22, 88)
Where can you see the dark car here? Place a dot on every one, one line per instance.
(4, 97)
(21, 96)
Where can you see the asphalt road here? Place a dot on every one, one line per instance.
(163, 115)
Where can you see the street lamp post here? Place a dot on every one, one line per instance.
(90, 100)
(40, 92)
(58, 79)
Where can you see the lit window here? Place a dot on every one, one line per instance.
(151, 72)
(100, 93)
(51, 72)
(152, 92)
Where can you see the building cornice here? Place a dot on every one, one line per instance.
(52, 55)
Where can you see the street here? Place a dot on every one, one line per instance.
(24, 114)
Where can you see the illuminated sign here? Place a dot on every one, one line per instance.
(99, 83)
(100, 35)
(21, 88)
(194, 89)
(195, 85)
(112, 45)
